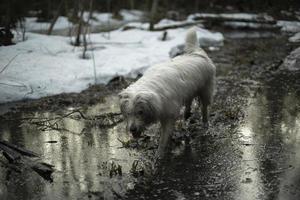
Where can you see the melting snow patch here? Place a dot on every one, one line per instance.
(292, 61)
(249, 25)
(98, 19)
(48, 65)
(289, 26)
(233, 16)
(295, 38)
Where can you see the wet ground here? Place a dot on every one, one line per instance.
(251, 149)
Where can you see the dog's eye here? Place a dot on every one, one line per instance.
(140, 112)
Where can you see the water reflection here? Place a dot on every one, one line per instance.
(250, 178)
(78, 153)
(210, 167)
(272, 132)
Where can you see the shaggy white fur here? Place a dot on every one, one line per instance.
(164, 88)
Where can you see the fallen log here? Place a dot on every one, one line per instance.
(9, 154)
(44, 170)
(174, 26)
(236, 17)
(22, 157)
(18, 149)
(162, 27)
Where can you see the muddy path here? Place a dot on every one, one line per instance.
(250, 150)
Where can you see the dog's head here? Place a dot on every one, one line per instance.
(140, 110)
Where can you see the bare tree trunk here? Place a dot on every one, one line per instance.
(132, 6)
(55, 17)
(75, 10)
(84, 42)
(196, 5)
(86, 30)
(49, 9)
(77, 41)
(152, 14)
(23, 29)
(146, 6)
(115, 13)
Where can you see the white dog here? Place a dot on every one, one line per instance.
(164, 88)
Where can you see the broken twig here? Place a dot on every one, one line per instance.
(10, 61)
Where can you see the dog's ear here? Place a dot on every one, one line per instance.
(149, 102)
(124, 101)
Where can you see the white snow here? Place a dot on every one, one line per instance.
(289, 26)
(292, 61)
(251, 25)
(162, 24)
(48, 65)
(132, 15)
(295, 38)
(32, 25)
(98, 19)
(233, 16)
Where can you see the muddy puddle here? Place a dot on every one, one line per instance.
(271, 142)
(250, 151)
(88, 157)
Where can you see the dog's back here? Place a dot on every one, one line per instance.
(182, 78)
(191, 70)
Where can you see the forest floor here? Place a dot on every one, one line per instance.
(251, 149)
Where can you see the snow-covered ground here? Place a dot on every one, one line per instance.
(292, 61)
(233, 16)
(249, 20)
(46, 65)
(63, 25)
(289, 26)
(295, 38)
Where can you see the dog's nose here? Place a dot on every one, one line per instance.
(133, 129)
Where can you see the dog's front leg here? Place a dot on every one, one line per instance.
(166, 130)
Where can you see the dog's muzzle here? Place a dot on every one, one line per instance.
(136, 133)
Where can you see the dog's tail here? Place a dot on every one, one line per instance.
(191, 41)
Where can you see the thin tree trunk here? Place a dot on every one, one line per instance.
(132, 6)
(77, 41)
(196, 5)
(55, 17)
(23, 29)
(152, 14)
(75, 10)
(86, 29)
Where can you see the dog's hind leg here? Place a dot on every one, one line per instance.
(205, 97)
(205, 100)
(204, 110)
(166, 130)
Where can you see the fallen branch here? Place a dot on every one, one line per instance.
(12, 85)
(18, 149)
(179, 25)
(164, 27)
(9, 154)
(22, 157)
(105, 121)
(9, 62)
(44, 170)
